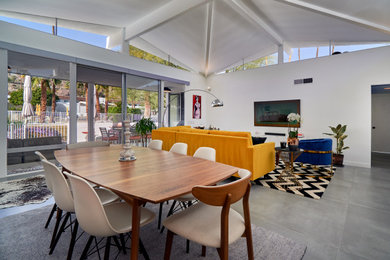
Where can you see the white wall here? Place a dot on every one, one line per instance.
(340, 93)
(381, 121)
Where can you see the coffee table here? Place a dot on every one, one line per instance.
(287, 177)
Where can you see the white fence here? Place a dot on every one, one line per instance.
(34, 130)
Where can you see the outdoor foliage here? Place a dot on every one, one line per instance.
(144, 127)
(260, 62)
(134, 111)
(116, 109)
(16, 97)
(134, 51)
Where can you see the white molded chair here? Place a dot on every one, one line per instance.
(103, 220)
(180, 148)
(207, 153)
(155, 144)
(212, 222)
(50, 188)
(87, 144)
(64, 201)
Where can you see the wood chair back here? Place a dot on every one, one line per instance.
(217, 195)
(225, 195)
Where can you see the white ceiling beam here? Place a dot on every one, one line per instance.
(209, 26)
(260, 21)
(154, 19)
(336, 14)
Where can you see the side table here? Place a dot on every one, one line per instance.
(287, 175)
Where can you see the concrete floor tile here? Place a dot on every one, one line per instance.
(372, 196)
(367, 233)
(319, 251)
(341, 255)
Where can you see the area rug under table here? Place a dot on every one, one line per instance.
(23, 236)
(313, 180)
(23, 191)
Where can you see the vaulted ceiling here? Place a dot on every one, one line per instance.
(208, 36)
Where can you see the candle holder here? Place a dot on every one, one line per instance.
(127, 154)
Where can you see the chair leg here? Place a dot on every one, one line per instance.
(159, 215)
(223, 253)
(203, 251)
(168, 245)
(51, 215)
(143, 250)
(58, 220)
(86, 248)
(188, 246)
(73, 239)
(249, 243)
(122, 238)
(118, 245)
(107, 249)
(62, 228)
(170, 212)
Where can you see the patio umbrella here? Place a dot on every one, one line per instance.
(27, 110)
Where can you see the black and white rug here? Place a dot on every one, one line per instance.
(313, 180)
(24, 191)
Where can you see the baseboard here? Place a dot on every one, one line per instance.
(357, 164)
(380, 152)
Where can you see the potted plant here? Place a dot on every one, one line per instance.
(338, 134)
(144, 127)
(293, 122)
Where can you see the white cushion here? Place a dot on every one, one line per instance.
(185, 197)
(120, 214)
(106, 196)
(201, 223)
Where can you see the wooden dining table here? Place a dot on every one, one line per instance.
(155, 176)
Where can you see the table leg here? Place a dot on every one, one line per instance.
(135, 229)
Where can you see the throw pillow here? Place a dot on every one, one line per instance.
(258, 140)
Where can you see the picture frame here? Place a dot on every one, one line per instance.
(274, 113)
(196, 107)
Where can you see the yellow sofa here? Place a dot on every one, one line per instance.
(233, 148)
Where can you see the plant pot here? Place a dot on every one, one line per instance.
(292, 147)
(338, 159)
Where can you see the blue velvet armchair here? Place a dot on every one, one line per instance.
(316, 151)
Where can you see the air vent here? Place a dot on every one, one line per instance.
(303, 81)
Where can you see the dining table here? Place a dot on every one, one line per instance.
(155, 176)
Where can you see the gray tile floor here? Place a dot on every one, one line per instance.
(350, 221)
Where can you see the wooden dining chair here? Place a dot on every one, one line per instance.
(100, 220)
(212, 222)
(155, 144)
(186, 200)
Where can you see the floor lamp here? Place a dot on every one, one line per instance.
(215, 103)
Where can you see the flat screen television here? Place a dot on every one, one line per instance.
(274, 113)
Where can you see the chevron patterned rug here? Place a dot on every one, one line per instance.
(313, 181)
